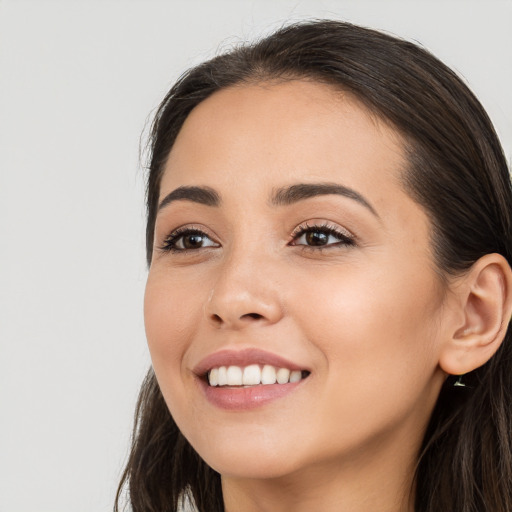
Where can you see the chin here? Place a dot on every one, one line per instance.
(260, 468)
(243, 459)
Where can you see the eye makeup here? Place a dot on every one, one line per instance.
(316, 236)
(321, 236)
(185, 239)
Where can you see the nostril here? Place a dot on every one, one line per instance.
(255, 316)
(216, 318)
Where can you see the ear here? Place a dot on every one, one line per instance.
(483, 309)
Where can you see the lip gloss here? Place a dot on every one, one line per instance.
(246, 397)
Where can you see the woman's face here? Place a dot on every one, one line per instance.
(285, 241)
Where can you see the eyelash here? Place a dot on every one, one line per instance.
(171, 242)
(344, 238)
(174, 238)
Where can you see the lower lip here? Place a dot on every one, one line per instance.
(244, 398)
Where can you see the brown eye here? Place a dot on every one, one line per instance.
(192, 241)
(316, 238)
(322, 236)
(188, 240)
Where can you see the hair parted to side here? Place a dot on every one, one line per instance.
(457, 172)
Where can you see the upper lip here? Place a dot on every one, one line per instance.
(243, 358)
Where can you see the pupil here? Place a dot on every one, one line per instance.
(192, 241)
(316, 238)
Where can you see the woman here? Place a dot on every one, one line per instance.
(329, 238)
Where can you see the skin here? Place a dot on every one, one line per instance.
(369, 320)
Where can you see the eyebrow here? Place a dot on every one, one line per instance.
(294, 193)
(280, 197)
(201, 195)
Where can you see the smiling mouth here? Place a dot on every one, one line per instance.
(253, 375)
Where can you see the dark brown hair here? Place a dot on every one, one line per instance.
(457, 172)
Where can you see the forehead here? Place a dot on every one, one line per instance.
(273, 134)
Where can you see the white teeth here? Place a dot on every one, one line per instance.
(295, 376)
(268, 375)
(223, 376)
(234, 376)
(252, 375)
(213, 377)
(283, 375)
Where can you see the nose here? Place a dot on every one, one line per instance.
(245, 293)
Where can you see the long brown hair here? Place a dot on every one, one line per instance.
(457, 172)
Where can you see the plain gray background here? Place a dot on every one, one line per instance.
(78, 80)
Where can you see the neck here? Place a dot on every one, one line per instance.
(382, 482)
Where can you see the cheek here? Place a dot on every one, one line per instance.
(170, 317)
(377, 324)
(377, 335)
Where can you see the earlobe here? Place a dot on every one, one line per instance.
(484, 296)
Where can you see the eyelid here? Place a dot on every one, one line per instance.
(343, 235)
(320, 225)
(176, 233)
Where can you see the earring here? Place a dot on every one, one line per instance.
(459, 382)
